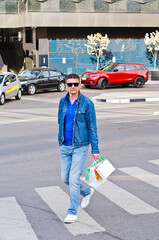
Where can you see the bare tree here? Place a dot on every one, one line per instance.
(96, 45)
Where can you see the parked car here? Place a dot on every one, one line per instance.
(10, 86)
(35, 79)
(116, 73)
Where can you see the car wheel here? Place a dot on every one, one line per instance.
(19, 95)
(61, 87)
(139, 82)
(2, 99)
(31, 89)
(102, 83)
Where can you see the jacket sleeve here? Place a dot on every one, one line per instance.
(92, 127)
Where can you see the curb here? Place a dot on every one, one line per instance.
(127, 100)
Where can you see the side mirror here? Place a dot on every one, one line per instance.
(115, 70)
(7, 83)
(41, 76)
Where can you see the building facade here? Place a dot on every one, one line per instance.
(54, 32)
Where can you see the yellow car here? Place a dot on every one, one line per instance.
(10, 86)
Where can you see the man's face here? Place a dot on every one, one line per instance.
(71, 85)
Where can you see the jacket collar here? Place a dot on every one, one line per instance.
(67, 97)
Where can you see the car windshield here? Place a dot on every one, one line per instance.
(108, 67)
(1, 78)
(30, 73)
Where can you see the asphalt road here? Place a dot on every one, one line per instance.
(33, 200)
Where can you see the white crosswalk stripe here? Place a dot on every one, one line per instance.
(142, 175)
(15, 226)
(154, 161)
(28, 115)
(13, 222)
(124, 199)
(56, 199)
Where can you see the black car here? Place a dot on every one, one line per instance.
(37, 79)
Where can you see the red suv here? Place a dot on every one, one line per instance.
(116, 73)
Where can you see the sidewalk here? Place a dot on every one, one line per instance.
(128, 97)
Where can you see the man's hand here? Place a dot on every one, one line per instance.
(95, 156)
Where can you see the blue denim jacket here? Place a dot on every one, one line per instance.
(84, 128)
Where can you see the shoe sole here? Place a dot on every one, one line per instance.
(70, 221)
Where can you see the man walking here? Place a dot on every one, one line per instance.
(77, 129)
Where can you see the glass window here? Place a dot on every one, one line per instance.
(77, 60)
(132, 57)
(120, 57)
(119, 68)
(60, 45)
(13, 78)
(45, 74)
(81, 45)
(1, 78)
(70, 62)
(139, 66)
(54, 73)
(117, 45)
(10, 78)
(30, 73)
(130, 67)
(135, 45)
(29, 35)
(85, 62)
(10, 6)
(108, 67)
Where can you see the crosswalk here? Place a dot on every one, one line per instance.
(28, 115)
(14, 224)
(125, 200)
(113, 114)
(142, 175)
(55, 198)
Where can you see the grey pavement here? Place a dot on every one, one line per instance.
(130, 96)
(33, 199)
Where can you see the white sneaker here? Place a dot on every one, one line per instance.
(86, 199)
(70, 218)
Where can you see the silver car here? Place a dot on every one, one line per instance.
(10, 86)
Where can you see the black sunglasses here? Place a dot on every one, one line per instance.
(75, 84)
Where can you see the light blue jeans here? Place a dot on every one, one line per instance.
(72, 164)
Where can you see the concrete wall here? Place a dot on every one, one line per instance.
(79, 20)
(50, 13)
(127, 6)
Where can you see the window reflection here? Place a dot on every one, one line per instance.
(78, 60)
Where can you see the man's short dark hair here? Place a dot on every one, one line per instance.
(73, 76)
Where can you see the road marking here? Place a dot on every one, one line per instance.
(53, 100)
(124, 199)
(142, 175)
(133, 120)
(152, 99)
(39, 119)
(156, 113)
(13, 222)
(28, 115)
(58, 201)
(155, 161)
